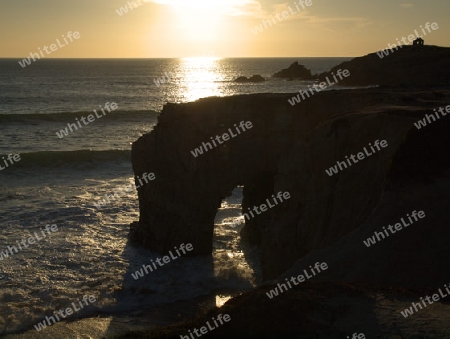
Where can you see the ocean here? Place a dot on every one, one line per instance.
(58, 180)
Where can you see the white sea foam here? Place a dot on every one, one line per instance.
(91, 255)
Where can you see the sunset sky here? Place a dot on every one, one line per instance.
(223, 28)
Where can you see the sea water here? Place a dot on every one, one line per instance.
(58, 180)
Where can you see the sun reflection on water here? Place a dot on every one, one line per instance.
(200, 78)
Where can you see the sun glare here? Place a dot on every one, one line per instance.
(206, 4)
(202, 20)
(199, 4)
(197, 22)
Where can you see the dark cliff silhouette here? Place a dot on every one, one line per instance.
(406, 66)
(327, 217)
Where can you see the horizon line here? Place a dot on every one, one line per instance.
(186, 57)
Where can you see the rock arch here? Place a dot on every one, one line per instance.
(288, 149)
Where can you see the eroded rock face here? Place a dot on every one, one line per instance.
(287, 149)
(418, 254)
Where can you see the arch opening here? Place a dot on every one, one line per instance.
(237, 262)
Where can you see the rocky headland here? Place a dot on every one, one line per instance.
(328, 217)
(407, 66)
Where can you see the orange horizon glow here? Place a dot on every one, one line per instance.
(223, 28)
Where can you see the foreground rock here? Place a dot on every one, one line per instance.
(294, 71)
(320, 311)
